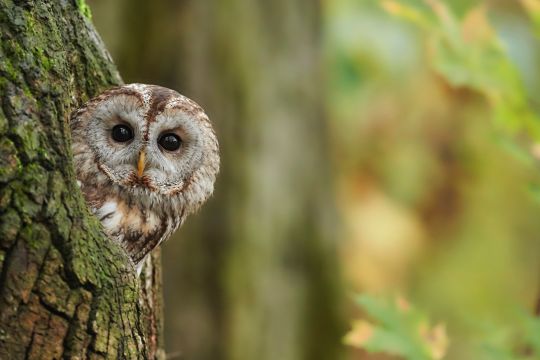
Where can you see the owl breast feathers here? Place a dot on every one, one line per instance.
(145, 157)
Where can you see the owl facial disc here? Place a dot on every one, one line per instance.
(146, 157)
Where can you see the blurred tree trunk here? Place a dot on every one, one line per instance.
(256, 275)
(65, 290)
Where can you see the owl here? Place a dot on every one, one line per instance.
(145, 158)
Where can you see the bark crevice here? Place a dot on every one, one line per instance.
(65, 289)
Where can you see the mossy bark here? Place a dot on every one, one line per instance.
(66, 291)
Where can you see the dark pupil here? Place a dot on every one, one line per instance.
(122, 133)
(170, 142)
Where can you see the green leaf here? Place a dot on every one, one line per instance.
(398, 329)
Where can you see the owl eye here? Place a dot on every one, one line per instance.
(122, 133)
(170, 141)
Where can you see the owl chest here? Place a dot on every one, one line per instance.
(130, 224)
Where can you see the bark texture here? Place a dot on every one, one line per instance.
(65, 290)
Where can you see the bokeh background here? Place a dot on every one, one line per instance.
(380, 188)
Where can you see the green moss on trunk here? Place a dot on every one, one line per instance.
(65, 290)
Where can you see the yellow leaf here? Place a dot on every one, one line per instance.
(436, 340)
(402, 304)
(406, 12)
(535, 150)
(360, 334)
(476, 27)
(441, 10)
(392, 7)
(531, 5)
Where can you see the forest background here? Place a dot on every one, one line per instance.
(380, 173)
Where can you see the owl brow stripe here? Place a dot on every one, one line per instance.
(192, 109)
(75, 117)
(122, 90)
(159, 99)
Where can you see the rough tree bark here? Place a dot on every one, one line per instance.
(65, 290)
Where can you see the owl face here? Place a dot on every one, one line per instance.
(146, 157)
(150, 139)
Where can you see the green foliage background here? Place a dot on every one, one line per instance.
(437, 100)
(431, 139)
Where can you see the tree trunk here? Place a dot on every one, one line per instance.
(262, 281)
(66, 291)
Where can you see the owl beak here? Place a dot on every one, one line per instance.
(141, 163)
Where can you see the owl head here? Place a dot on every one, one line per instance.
(149, 142)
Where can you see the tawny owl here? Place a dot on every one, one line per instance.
(145, 157)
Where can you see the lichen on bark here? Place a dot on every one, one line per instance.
(65, 290)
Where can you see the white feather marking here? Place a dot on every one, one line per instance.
(113, 221)
(106, 208)
(109, 215)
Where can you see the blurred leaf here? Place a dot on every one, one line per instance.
(531, 329)
(468, 53)
(476, 27)
(397, 329)
(436, 339)
(361, 333)
(406, 12)
(519, 342)
(533, 9)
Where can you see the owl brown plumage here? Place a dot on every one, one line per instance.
(145, 157)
